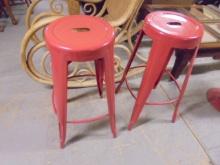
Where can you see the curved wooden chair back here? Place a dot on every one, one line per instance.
(120, 11)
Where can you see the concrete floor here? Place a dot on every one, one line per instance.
(29, 132)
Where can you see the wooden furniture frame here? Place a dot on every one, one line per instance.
(120, 14)
(210, 46)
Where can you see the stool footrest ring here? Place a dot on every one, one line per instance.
(100, 117)
(171, 101)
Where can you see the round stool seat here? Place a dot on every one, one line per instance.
(79, 35)
(175, 27)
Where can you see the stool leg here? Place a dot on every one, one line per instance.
(99, 66)
(151, 74)
(130, 61)
(59, 73)
(110, 88)
(158, 80)
(53, 103)
(183, 88)
(162, 72)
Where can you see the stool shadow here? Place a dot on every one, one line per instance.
(84, 95)
(123, 128)
(203, 68)
(89, 131)
(143, 121)
(210, 113)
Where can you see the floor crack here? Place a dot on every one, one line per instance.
(189, 127)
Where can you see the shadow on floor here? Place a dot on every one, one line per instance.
(90, 130)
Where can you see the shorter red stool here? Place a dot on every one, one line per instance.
(169, 31)
(81, 38)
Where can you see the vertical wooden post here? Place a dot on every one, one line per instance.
(73, 7)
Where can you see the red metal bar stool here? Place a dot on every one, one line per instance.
(169, 31)
(81, 38)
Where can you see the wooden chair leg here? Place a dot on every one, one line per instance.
(28, 2)
(182, 59)
(2, 28)
(9, 12)
(2, 13)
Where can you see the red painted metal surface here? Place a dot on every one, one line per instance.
(170, 101)
(213, 96)
(81, 38)
(168, 30)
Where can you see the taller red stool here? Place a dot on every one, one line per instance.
(81, 38)
(169, 31)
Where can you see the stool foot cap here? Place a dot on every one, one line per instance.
(62, 145)
(118, 88)
(130, 126)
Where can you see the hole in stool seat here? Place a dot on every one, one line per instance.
(83, 29)
(174, 23)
